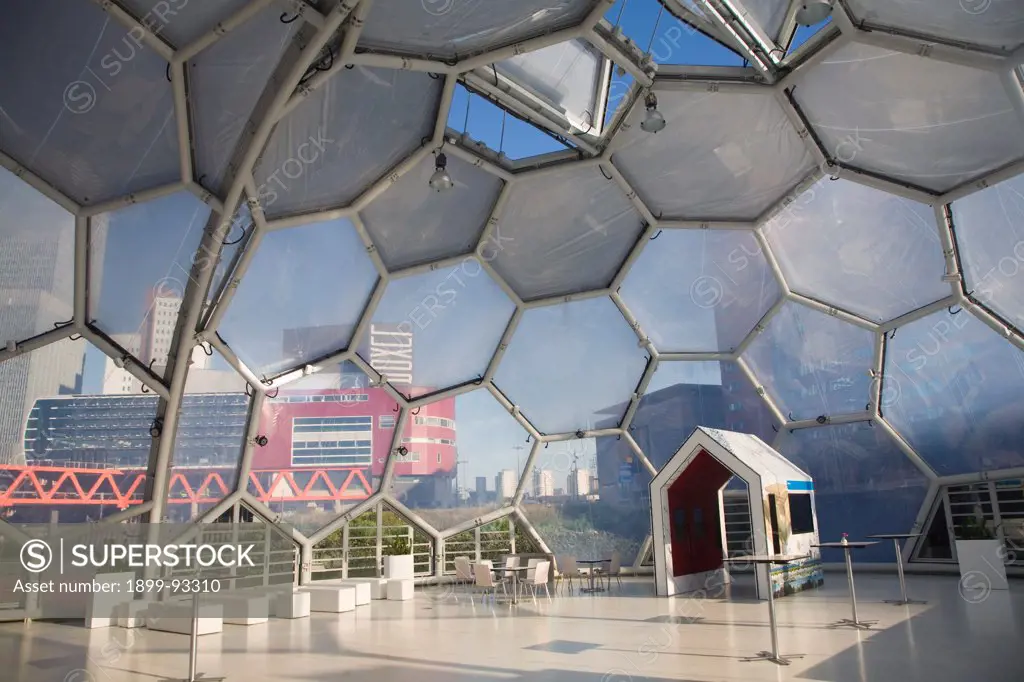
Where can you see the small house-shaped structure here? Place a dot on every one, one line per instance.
(689, 524)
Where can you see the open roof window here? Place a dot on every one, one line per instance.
(500, 130)
(678, 36)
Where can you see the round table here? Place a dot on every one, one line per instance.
(592, 563)
(847, 547)
(896, 537)
(514, 572)
(768, 561)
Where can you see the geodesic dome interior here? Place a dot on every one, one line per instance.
(228, 275)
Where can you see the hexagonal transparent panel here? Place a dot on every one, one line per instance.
(998, 24)
(37, 261)
(989, 229)
(446, 29)
(684, 395)
(327, 443)
(699, 290)
(951, 388)
(861, 249)
(95, 118)
(301, 296)
(210, 438)
(600, 502)
(180, 23)
(411, 223)
(571, 366)
(349, 551)
(141, 259)
(668, 39)
(74, 435)
(566, 76)
(464, 458)
(741, 155)
(332, 146)
(919, 120)
(493, 540)
(863, 484)
(564, 231)
(225, 81)
(812, 364)
(437, 329)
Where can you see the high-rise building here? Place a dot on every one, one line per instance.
(481, 487)
(37, 245)
(578, 483)
(543, 483)
(505, 484)
(151, 345)
(117, 380)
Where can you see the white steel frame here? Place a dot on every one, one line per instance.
(772, 73)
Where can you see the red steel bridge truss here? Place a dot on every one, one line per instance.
(121, 488)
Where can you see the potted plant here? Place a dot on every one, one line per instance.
(980, 555)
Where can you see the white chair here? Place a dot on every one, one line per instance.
(539, 577)
(569, 570)
(614, 570)
(511, 561)
(463, 571)
(485, 580)
(531, 566)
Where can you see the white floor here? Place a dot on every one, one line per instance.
(625, 636)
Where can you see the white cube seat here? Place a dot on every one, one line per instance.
(100, 605)
(131, 614)
(331, 598)
(242, 609)
(176, 616)
(400, 590)
(363, 588)
(290, 605)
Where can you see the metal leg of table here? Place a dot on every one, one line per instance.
(193, 647)
(902, 601)
(774, 656)
(854, 622)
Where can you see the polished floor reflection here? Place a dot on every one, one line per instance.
(625, 636)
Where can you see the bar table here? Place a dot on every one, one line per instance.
(896, 537)
(592, 563)
(768, 561)
(513, 573)
(847, 547)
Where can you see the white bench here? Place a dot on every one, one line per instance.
(132, 614)
(364, 589)
(290, 605)
(176, 616)
(400, 590)
(241, 608)
(331, 598)
(378, 586)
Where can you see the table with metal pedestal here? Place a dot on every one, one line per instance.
(592, 563)
(896, 537)
(768, 561)
(847, 547)
(514, 572)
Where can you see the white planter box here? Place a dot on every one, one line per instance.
(399, 567)
(981, 564)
